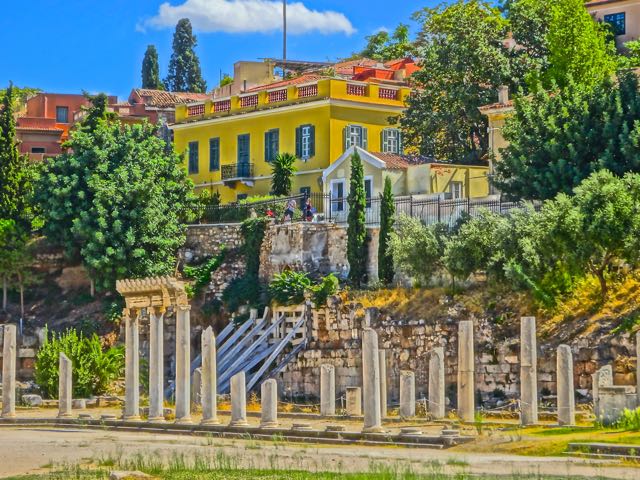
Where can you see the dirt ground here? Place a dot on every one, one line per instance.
(38, 449)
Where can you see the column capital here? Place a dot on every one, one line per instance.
(158, 311)
(183, 308)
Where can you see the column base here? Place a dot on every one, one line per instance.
(131, 418)
(184, 421)
(210, 421)
(65, 415)
(8, 415)
(269, 425)
(156, 419)
(373, 430)
(238, 423)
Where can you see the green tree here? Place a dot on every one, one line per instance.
(386, 270)
(415, 249)
(357, 229)
(97, 112)
(384, 47)
(226, 80)
(15, 259)
(15, 171)
(558, 138)
(117, 200)
(282, 170)
(632, 55)
(579, 47)
(184, 67)
(463, 62)
(151, 69)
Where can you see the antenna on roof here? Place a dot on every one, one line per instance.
(284, 38)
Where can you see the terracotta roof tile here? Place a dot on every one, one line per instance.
(39, 124)
(346, 67)
(163, 99)
(494, 106)
(307, 78)
(396, 161)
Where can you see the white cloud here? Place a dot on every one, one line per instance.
(249, 16)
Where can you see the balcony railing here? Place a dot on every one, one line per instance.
(233, 171)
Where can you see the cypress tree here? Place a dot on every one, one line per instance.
(357, 230)
(184, 67)
(151, 70)
(387, 211)
(14, 167)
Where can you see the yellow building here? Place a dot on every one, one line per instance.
(410, 175)
(229, 142)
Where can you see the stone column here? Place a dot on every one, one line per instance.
(156, 365)
(466, 367)
(407, 394)
(64, 387)
(132, 365)
(269, 407)
(196, 386)
(183, 364)
(566, 395)
(327, 390)
(238, 401)
(436, 383)
(602, 378)
(371, 382)
(528, 372)
(354, 401)
(382, 359)
(9, 372)
(209, 393)
(638, 368)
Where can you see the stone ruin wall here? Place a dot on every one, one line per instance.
(336, 339)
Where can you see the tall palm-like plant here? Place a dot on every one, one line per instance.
(282, 170)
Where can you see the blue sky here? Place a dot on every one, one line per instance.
(68, 45)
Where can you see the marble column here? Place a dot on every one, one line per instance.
(156, 365)
(382, 359)
(407, 394)
(602, 378)
(269, 404)
(64, 387)
(238, 400)
(183, 364)
(196, 387)
(371, 382)
(327, 390)
(354, 401)
(566, 391)
(209, 379)
(528, 372)
(436, 383)
(132, 365)
(9, 354)
(466, 368)
(638, 368)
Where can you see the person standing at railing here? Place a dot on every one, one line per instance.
(308, 210)
(288, 213)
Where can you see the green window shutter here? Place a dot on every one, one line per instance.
(363, 138)
(345, 134)
(383, 140)
(214, 154)
(267, 150)
(275, 143)
(299, 142)
(193, 157)
(312, 141)
(400, 147)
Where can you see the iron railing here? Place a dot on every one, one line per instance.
(324, 207)
(236, 170)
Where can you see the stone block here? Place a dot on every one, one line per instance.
(32, 400)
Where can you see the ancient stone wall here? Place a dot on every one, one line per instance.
(336, 340)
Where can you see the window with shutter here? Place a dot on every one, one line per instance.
(243, 149)
(193, 157)
(299, 142)
(271, 144)
(214, 154)
(368, 190)
(391, 140)
(355, 135)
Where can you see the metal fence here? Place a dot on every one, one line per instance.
(429, 209)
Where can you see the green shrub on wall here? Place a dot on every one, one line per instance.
(289, 288)
(94, 369)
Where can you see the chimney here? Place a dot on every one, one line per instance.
(503, 94)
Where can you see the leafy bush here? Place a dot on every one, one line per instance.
(202, 273)
(630, 420)
(328, 286)
(243, 291)
(94, 369)
(288, 288)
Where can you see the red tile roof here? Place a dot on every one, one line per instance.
(346, 67)
(495, 106)
(163, 99)
(396, 161)
(39, 124)
(306, 78)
